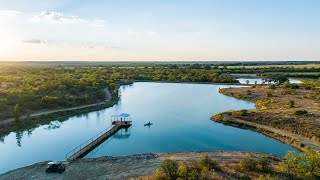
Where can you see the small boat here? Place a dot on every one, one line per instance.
(148, 124)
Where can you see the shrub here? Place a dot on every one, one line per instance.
(268, 177)
(264, 164)
(301, 166)
(169, 168)
(307, 96)
(207, 174)
(243, 112)
(194, 174)
(249, 92)
(288, 85)
(206, 162)
(244, 177)
(183, 171)
(307, 86)
(300, 112)
(248, 163)
(272, 86)
(291, 103)
(268, 94)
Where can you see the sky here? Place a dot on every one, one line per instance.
(159, 30)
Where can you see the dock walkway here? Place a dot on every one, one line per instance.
(90, 144)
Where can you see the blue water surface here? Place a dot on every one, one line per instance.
(180, 114)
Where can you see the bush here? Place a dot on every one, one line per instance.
(207, 174)
(169, 168)
(291, 103)
(206, 162)
(244, 177)
(272, 86)
(288, 91)
(249, 92)
(204, 168)
(248, 163)
(301, 166)
(183, 171)
(300, 112)
(268, 94)
(264, 164)
(268, 177)
(243, 112)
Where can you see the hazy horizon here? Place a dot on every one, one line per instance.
(167, 30)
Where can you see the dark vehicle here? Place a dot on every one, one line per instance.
(56, 166)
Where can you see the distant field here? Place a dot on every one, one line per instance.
(277, 66)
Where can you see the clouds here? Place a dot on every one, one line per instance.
(33, 41)
(53, 17)
(56, 17)
(9, 13)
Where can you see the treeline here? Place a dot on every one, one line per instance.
(27, 89)
(260, 70)
(148, 63)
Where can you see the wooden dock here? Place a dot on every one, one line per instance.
(95, 141)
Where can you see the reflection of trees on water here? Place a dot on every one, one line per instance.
(53, 125)
(19, 136)
(29, 132)
(28, 129)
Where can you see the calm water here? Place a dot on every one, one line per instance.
(259, 80)
(180, 114)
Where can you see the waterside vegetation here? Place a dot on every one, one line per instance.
(282, 109)
(30, 94)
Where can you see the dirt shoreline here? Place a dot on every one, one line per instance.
(278, 134)
(121, 167)
(276, 110)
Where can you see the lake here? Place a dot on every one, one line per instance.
(180, 114)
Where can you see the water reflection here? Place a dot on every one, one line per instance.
(19, 136)
(180, 113)
(53, 125)
(2, 139)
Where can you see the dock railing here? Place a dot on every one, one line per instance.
(88, 142)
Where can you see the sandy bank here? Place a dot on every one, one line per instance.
(123, 167)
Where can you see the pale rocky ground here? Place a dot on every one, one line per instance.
(124, 167)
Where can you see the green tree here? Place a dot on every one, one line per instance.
(205, 161)
(303, 166)
(169, 168)
(248, 163)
